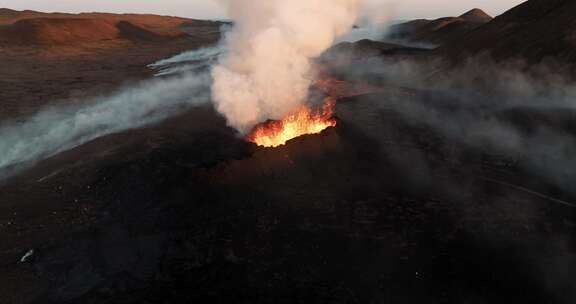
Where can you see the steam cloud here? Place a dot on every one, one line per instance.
(267, 70)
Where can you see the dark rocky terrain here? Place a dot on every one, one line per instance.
(381, 208)
(535, 31)
(415, 197)
(365, 49)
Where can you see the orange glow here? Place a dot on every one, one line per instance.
(304, 121)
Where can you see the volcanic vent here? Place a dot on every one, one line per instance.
(261, 85)
(305, 120)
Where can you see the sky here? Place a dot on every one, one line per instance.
(208, 9)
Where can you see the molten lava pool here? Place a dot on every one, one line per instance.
(305, 121)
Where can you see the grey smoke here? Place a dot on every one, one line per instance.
(519, 113)
(62, 128)
(546, 152)
(373, 23)
(476, 102)
(365, 31)
(188, 61)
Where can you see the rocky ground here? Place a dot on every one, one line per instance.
(381, 208)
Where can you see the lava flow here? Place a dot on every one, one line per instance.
(274, 133)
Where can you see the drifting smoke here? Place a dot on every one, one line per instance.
(59, 129)
(519, 114)
(268, 68)
(189, 61)
(373, 22)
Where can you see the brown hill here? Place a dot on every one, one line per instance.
(153, 22)
(35, 32)
(532, 31)
(73, 31)
(47, 61)
(9, 16)
(6, 12)
(439, 31)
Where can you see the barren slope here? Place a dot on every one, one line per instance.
(533, 31)
(441, 30)
(55, 58)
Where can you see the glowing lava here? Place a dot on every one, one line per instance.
(274, 133)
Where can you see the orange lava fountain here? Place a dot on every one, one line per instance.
(274, 133)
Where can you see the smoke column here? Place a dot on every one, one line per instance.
(267, 70)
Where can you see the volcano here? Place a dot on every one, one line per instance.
(403, 187)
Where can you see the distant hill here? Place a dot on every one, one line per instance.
(74, 31)
(476, 15)
(534, 31)
(37, 29)
(439, 31)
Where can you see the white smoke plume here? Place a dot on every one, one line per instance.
(268, 68)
